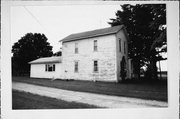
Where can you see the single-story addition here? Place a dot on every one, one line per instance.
(98, 55)
(49, 67)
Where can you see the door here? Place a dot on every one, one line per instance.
(123, 69)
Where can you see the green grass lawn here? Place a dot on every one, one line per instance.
(23, 100)
(138, 90)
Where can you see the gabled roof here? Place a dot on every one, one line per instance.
(46, 60)
(94, 33)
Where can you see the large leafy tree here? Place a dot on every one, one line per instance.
(145, 25)
(28, 48)
(159, 45)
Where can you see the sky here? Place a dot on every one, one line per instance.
(57, 22)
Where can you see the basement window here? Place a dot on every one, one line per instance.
(50, 67)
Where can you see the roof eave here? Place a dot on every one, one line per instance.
(44, 62)
(63, 41)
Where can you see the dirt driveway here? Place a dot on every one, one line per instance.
(99, 100)
(149, 91)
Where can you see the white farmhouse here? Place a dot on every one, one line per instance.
(98, 55)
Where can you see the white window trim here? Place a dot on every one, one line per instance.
(95, 48)
(76, 71)
(94, 66)
(47, 66)
(76, 50)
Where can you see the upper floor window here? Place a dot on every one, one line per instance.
(119, 45)
(124, 47)
(76, 48)
(95, 45)
(50, 67)
(96, 66)
(76, 66)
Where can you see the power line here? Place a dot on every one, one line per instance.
(34, 17)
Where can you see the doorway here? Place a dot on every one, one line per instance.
(123, 69)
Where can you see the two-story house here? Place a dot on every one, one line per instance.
(98, 55)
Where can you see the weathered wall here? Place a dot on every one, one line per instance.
(105, 55)
(121, 35)
(38, 71)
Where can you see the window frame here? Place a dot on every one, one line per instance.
(76, 48)
(95, 46)
(120, 45)
(76, 66)
(46, 67)
(124, 47)
(50, 67)
(95, 68)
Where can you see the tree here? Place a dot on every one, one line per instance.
(144, 24)
(59, 53)
(159, 45)
(28, 48)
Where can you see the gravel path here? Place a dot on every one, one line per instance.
(100, 100)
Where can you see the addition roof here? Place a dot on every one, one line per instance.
(94, 33)
(44, 60)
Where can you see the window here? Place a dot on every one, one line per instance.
(119, 45)
(124, 47)
(95, 45)
(50, 67)
(76, 67)
(46, 68)
(95, 66)
(76, 48)
(53, 67)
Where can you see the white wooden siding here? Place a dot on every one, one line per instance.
(38, 71)
(105, 55)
